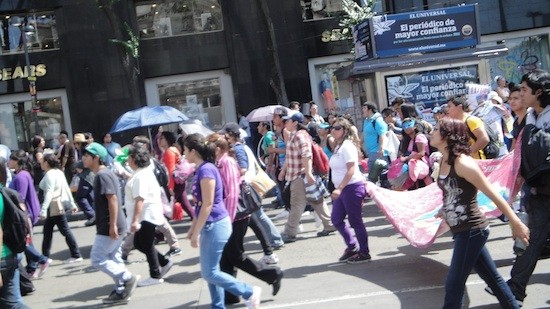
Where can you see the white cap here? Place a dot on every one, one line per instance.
(493, 95)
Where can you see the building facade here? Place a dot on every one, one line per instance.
(208, 58)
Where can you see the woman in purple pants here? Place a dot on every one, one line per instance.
(347, 198)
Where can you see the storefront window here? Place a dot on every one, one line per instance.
(320, 9)
(19, 123)
(176, 17)
(197, 99)
(39, 29)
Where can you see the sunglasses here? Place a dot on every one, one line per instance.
(336, 128)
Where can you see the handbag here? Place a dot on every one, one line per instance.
(262, 183)
(249, 202)
(315, 192)
(56, 207)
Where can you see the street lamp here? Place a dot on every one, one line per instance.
(29, 29)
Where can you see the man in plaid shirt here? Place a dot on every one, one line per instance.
(296, 170)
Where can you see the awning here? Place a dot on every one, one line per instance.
(357, 69)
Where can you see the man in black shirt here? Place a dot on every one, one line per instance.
(110, 225)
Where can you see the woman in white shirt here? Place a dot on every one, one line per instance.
(144, 212)
(56, 192)
(347, 198)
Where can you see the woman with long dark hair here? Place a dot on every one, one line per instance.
(415, 146)
(211, 228)
(459, 179)
(56, 191)
(23, 183)
(233, 254)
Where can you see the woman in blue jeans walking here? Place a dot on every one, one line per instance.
(459, 179)
(212, 227)
(348, 195)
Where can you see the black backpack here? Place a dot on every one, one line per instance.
(492, 149)
(161, 173)
(16, 224)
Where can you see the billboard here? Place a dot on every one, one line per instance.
(362, 41)
(427, 89)
(425, 31)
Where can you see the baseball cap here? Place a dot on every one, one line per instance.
(324, 125)
(493, 95)
(97, 150)
(231, 128)
(280, 111)
(297, 116)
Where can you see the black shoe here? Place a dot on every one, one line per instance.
(277, 283)
(116, 298)
(325, 233)
(288, 239)
(347, 254)
(90, 222)
(173, 252)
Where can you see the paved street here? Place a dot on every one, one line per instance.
(399, 275)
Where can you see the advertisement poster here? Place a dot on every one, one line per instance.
(427, 89)
(328, 91)
(425, 31)
(362, 41)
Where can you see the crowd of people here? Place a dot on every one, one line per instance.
(122, 192)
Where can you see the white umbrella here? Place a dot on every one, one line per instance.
(195, 126)
(264, 113)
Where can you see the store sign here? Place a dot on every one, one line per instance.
(38, 70)
(430, 88)
(425, 31)
(362, 41)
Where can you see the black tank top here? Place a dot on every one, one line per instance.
(460, 209)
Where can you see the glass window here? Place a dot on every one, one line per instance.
(19, 123)
(320, 9)
(197, 99)
(176, 17)
(39, 31)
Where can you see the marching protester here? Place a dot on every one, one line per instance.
(459, 179)
(211, 229)
(298, 170)
(233, 254)
(110, 226)
(348, 195)
(37, 263)
(56, 195)
(535, 94)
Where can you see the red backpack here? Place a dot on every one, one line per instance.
(320, 160)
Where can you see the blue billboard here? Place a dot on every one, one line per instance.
(425, 31)
(427, 89)
(362, 41)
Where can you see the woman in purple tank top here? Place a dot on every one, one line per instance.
(459, 178)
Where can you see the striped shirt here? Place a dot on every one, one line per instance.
(231, 179)
(297, 148)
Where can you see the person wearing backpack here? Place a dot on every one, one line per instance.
(458, 109)
(22, 182)
(297, 171)
(374, 135)
(10, 291)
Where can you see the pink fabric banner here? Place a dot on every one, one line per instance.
(412, 213)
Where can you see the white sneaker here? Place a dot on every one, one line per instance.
(164, 269)
(282, 215)
(270, 259)
(253, 302)
(72, 260)
(300, 228)
(150, 281)
(306, 213)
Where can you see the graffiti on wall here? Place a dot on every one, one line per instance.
(524, 55)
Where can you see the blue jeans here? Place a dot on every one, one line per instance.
(538, 208)
(34, 258)
(10, 293)
(275, 238)
(470, 253)
(105, 256)
(213, 237)
(350, 204)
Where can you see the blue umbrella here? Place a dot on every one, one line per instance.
(146, 117)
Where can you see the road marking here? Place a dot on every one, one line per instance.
(362, 295)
